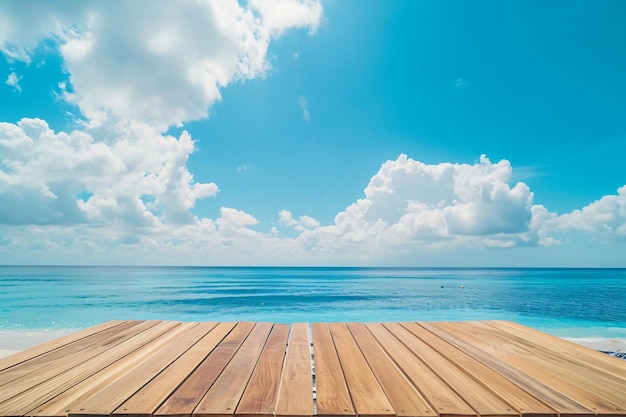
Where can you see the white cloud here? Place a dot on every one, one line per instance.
(409, 204)
(134, 70)
(138, 178)
(304, 105)
(279, 15)
(244, 167)
(156, 62)
(13, 80)
(303, 224)
(408, 208)
(604, 218)
(23, 24)
(285, 218)
(460, 82)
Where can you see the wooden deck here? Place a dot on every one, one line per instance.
(150, 368)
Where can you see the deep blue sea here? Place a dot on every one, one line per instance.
(564, 302)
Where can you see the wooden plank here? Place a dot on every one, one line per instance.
(528, 364)
(402, 395)
(187, 396)
(222, 398)
(36, 351)
(58, 368)
(58, 392)
(564, 405)
(259, 397)
(575, 379)
(131, 369)
(473, 393)
(443, 399)
(333, 398)
(581, 355)
(295, 395)
(68, 356)
(554, 353)
(494, 382)
(147, 400)
(104, 401)
(368, 397)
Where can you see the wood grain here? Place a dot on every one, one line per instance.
(404, 398)
(222, 398)
(259, 397)
(368, 397)
(147, 400)
(187, 396)
(333, 398)
(460, 369)
(58, 392)
(444, 400)
(295, 397)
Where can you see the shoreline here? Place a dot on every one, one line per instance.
(14, 341)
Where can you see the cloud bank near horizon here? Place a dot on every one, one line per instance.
(118, 184)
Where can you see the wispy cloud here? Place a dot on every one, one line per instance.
(460, 82)
(244, 167)
(13, 80)
(304, 105)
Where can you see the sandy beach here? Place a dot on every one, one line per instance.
(13, 341)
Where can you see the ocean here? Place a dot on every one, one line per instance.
(573, 303)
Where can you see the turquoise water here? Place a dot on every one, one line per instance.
(565, 302)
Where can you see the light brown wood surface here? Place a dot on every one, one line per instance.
(187, 396)
(368, 397)
(145, 401)
(540, 391)
(48, 390)
(473, 393)
(507, 391)
(296, 383)
(403, 396)
(444, 400)
(224, 395)
(559, 380)
(259, 397)
(333, 398)
(445, 369)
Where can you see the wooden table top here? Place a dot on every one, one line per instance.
(423, 369)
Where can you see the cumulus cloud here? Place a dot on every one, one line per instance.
(407, 206)
(13, 80)
(304, 223)
(280, 15)
(157, 62)
(412, 204)
(138, 178)
(604, 218)
(134, 69)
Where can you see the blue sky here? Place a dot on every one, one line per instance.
(313, 133)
